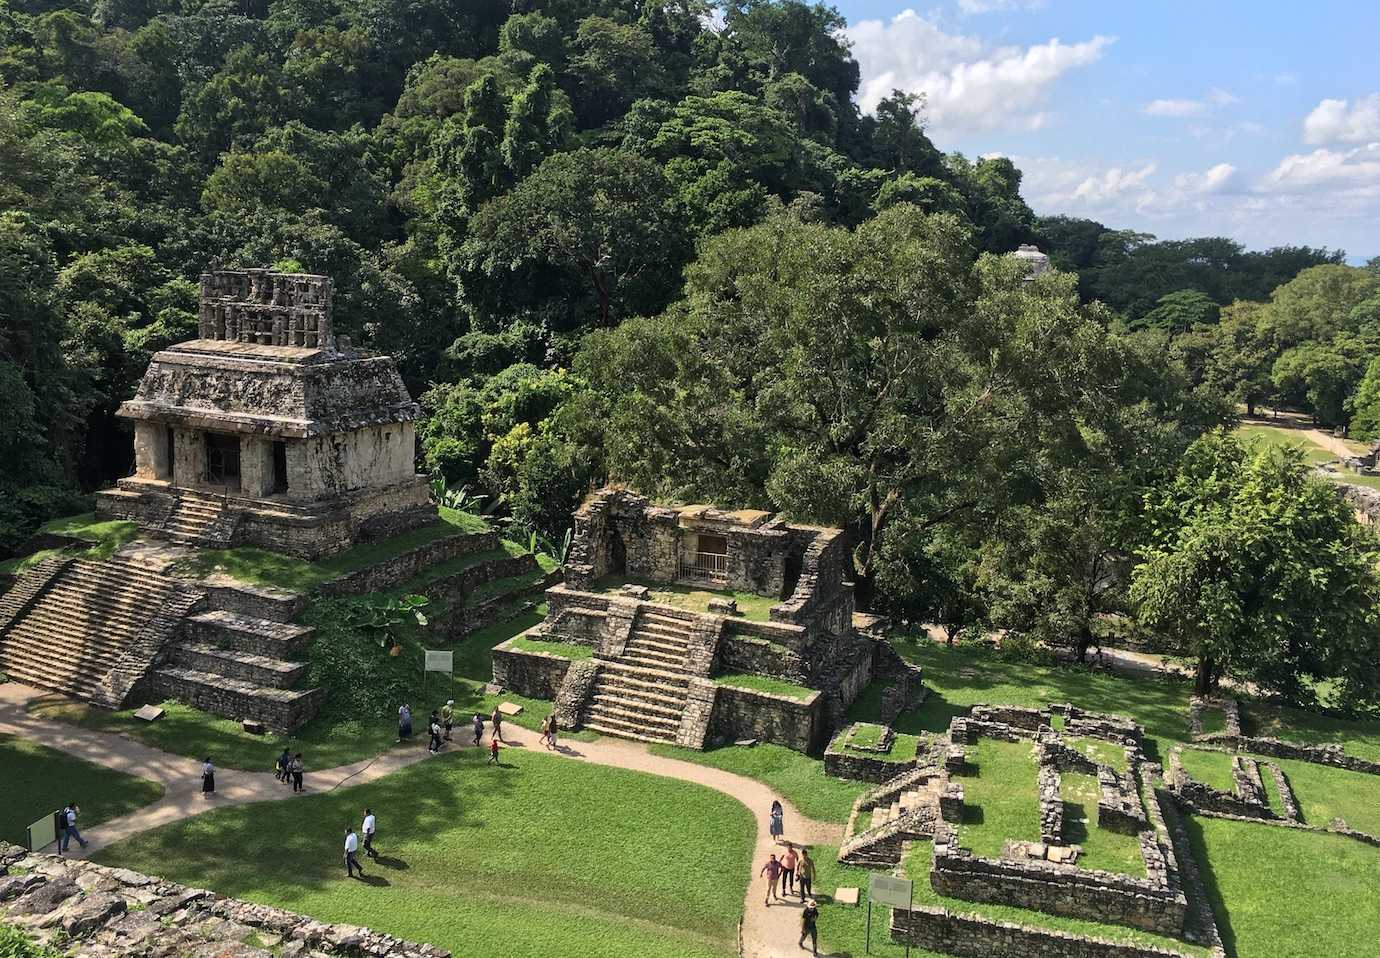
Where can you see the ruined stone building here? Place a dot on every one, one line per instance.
(664, 662)
(269, 429)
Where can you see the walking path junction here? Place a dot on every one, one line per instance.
(768, 932)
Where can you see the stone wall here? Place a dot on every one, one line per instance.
(744, 653)
(281, 710)
(533, 674)
(1031, 719)
(390, 572)
(1333, 755)
(120, 913)
(322, 467)
(574, 692)
(1119, 806)
(748, 714)
(1203, 797)
(971, 936)
(1154, 903)
(1049, 786)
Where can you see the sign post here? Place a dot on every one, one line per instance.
(43, 832)
(885, 890)
(442, 660)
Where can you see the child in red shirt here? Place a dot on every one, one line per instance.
(493, 750)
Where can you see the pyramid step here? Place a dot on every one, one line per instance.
(659, 676)
(637, 717)
(648, 658)
(259, 669)
(656, 630)
(247, 633)
(646, 691)
(607, 698)
(655, 645)
(279, 709)
(626, 730)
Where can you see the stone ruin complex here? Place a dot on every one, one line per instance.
(652, 673)
(269, 429)
(923, 801)
(91, 910)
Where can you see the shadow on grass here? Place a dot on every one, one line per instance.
(1075, 823)
(1210, 883)
(378, 881)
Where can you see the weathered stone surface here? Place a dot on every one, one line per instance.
(91, 912)
(45, 897)
(536, 675)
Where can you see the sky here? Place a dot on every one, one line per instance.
(1254, 120)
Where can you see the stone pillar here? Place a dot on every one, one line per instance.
(256, 466)
(189, 457)
(152, 457)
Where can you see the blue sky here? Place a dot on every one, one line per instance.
(1259, 121)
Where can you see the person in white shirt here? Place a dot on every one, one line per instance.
(370, 826)
(69, 815)
(351, 862)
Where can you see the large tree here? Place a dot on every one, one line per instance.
(1258, 570)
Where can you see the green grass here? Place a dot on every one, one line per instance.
(40, 780)
(1103, 753)
(566, 650)
(970, 675)
(1213, 720)
(1279, 436)
(543, 857)
(1102, 849)
(903, 747)
(105, 535)
(1325, 793)
(1210, 768)
(764, 683)
(1000, 800)
(261, 567)
(1359, 737)
(751, 606)
(1280, 893)
(799, 778)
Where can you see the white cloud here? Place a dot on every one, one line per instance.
(990, 6)
(1175, 108)
(1340, 121)
(1216, 99)
(967, 85)
(1354, 171)
(1218, 179)
(1113, 183)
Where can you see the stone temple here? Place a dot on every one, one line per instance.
(270, 430)
(703, 626)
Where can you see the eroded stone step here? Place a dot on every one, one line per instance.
(55, 640)
(658, 676)
(612, 699)
(666, 648)
(636, 717)
(623, 730)
(259, 669)
(248, 633)
(659, 694)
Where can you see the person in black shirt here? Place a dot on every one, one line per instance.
(809, 917)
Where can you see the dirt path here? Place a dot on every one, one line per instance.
(1329, 442)
(768, 932)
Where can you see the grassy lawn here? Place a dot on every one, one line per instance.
(1000, 800)
(1359, 738)
(798, 777)
(751, 606)
(105, 536)
(542, 857)
(1325, 793)
(1213, 721)
(969, 675)
(764, 683)
(566, 650)
(261, 567)
(39, 781)
(1102, 849)
(1280, 893)
(1103, 753)
(1280, 436)
(1210, 768)
(903, 747)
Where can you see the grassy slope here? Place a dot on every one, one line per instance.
(1359, 738)
(1280, 893)
(105, 536)
(999, 797)
(39, 781)
(543, 857)
(764, 683)
(1102, 849)
(566, 650)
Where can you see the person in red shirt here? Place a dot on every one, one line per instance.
(772, 869)
(788, 861)
(493, 750)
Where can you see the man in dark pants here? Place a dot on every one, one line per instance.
(809, 917)
(351, 847)
(370, 826)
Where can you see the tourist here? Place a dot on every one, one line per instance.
(809, 918)
(368, 828)
(404, 722)
(788, 862)
(496, 720)
(493, 750)
(546, 732)
(208, 778)
(69, 815)
(433, 729)
(778, 824)
(283, 773)
(478, 728)
(805, 874)
(298, 767)
(352, 846)
(448, 716)
(772, 869)
(551, 730)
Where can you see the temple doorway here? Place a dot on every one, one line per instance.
(223, 460)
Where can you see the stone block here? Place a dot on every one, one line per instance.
(723, 606)
(846, 895)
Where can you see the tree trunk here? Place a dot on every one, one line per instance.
(950, 633)
(1204, 678)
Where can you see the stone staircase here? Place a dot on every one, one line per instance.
(902, 810)
(88, 628)
(198, 520)
(641, 692)
(242, 667)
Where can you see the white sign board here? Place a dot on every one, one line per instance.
(885, 890)
(440, 661)
(43, 832)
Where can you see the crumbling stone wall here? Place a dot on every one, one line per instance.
(118, 913)
(1119, 807)
(390, 572)
(1025, 718)
(1049, 785)
(533, 674)
(749, 714)
(971, 936)
(745, 653)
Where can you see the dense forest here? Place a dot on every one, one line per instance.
(612, 239)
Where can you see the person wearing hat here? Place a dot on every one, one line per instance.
(809, 918)
(448, 716)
